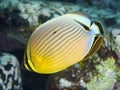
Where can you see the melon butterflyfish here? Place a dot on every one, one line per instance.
(62, 42)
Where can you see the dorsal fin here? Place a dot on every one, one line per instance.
(81, 13)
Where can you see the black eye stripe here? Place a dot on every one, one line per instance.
(100, 27)
(84, 26)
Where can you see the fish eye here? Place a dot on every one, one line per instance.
(54, 32)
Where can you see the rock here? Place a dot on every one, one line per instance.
(9, 44)
(110, 21)
(117, 86)
(10, 73)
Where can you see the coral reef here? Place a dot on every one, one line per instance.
(117, 44)
(10, 73)
(32, 10)
(9, 3)
(19, 18)
(106, 78)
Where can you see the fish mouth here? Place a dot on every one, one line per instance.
(100, 35)
(98, 39)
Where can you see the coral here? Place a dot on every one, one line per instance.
(117, 46)
(115, 32)
(29, 12)
(9, 3)
(10, 73)
(64, 83)
(116, 41)
(106, 78)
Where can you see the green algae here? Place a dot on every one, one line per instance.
(106, 78)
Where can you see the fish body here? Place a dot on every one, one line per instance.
(62, 42)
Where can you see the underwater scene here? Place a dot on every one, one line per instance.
(59, 45)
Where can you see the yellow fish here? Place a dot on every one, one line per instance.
(62, 42)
